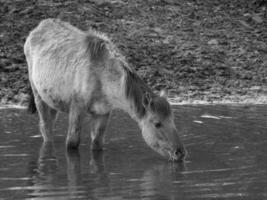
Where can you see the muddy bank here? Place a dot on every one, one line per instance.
(201, 51)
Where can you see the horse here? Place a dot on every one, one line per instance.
(83, 74)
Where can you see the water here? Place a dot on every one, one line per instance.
(227, 159)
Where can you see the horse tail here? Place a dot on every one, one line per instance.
(31, 104)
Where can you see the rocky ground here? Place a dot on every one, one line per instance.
(200, 50)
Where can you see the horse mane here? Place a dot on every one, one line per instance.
(136, 88)
(96, 45)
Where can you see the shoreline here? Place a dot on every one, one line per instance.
(177, 101)
(199, 52)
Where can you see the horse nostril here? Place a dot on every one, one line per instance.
(180, 152)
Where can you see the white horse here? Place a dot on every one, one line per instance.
(84, 74)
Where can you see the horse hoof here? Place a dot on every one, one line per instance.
(97, 149)
(95, 146)
(72, 145)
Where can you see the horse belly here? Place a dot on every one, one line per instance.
(54, 98)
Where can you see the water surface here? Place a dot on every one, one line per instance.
(227, 159)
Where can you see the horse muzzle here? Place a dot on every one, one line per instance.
(178, 155)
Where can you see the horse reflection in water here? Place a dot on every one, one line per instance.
(45, 175)
(47, 164)
(95, 180)
(84, 74)
(73, 172)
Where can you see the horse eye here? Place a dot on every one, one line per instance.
(158, 125)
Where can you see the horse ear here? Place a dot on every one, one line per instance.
(164, 93)
(146, 99)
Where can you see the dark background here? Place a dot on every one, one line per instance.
(211, 50)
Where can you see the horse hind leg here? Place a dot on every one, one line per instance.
(47, 116)
(98, 126)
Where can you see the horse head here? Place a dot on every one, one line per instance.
(158, 128)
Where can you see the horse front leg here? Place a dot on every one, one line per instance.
(75, 126)
(98, 127)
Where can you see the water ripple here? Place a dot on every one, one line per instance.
(15, 155)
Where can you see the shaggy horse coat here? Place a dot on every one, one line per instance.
(84, 74)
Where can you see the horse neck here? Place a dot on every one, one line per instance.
(131, 110)
(123, 103)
